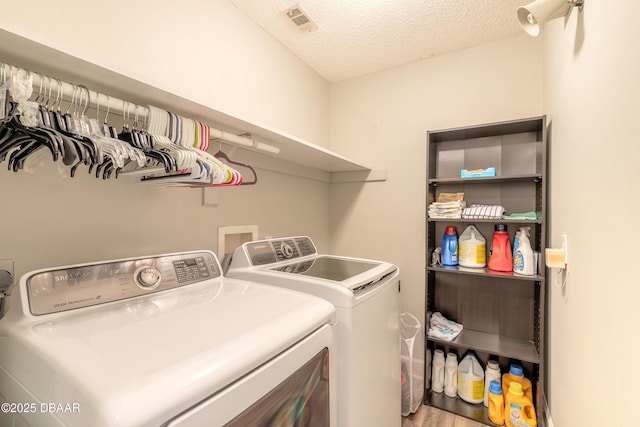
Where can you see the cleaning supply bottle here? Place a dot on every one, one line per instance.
(491, 373)
(473, 248)
(516, 241)
(523, 256)
(451, 375)
(437, 372)
(496, 403)
(518, 408)
(516, 374)
(500, 258)
(450, 246)
(470, 379)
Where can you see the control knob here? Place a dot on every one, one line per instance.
(286, 249)
(148, 278)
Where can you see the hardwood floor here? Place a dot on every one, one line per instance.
(428, 416)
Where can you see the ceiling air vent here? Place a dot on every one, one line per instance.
(300, 18)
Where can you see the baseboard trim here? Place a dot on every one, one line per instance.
(547, 412)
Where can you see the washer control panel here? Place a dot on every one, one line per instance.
(191, 269)
(93, 284)
(271, 251)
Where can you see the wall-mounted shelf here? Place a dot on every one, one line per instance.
(297, 157)
(488, 221)
(485, 272)
(494, 344)
(487, 180)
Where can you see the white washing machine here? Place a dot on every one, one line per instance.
(367, 300)
(164, 341)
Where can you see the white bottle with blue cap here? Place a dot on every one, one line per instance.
(523, 256)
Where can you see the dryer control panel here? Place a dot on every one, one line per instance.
(271, 251)
(87, 285)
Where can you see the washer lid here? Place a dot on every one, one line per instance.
(329, 268)
(138, 360)
(352, 273)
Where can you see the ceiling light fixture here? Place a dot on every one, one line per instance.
(533, 16)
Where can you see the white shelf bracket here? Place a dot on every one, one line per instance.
(374, 175)
(210, 197)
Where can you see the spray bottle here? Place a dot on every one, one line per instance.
(516, 241)
(523, 256)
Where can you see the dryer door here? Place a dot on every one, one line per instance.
(301, 400)
(295, 388)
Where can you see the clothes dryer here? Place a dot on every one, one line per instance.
(365, 294)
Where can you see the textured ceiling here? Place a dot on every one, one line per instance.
(357, 37)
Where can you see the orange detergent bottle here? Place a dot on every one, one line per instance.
(518, 409)
(496, 403)
(501, 258)
(516, 374)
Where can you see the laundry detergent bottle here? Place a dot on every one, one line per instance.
(473, 248)
(496, 403)
(450, 246)
(518, 408)
(437, 371)
(516, 374)
(451, 375)
(470, 379)
(501, 257)
(491, 373)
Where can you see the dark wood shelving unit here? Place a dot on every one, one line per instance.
(502, 313)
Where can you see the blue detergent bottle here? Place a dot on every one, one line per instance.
(450, 246)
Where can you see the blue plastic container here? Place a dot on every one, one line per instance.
(450, 246)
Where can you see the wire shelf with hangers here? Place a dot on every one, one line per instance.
(297, 157)
(166, 149)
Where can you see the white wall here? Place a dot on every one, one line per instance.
(203, 50)
(383, 118)
(47, 220)
(592, 96)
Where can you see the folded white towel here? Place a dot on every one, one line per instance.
(446, 209)
(477, 211)
(441, 328)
